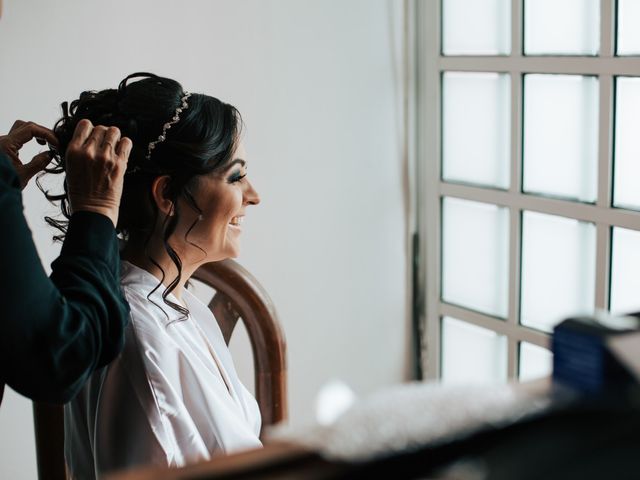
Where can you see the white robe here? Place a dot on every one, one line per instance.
(171, 398)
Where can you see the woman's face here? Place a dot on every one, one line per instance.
(223, 198)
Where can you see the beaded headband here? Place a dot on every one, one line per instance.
(175, 119)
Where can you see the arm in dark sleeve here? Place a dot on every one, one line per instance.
(56, 331)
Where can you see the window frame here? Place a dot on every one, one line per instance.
(430, 188)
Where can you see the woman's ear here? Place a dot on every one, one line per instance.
(159, 189)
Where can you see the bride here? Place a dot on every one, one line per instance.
(173, 396)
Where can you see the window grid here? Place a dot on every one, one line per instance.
(432, 65)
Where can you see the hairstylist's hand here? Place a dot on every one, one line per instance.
(96, 160)
(20, 134)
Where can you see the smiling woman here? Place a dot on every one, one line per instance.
(173, 397)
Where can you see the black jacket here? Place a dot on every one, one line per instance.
(55, 331)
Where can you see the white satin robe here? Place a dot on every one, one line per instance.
(171, 398)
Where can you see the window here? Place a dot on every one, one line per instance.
(529, 176)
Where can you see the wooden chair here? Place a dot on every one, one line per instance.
(238, 295)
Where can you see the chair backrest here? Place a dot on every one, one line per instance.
(238, 296)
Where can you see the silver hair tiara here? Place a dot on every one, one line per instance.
(175, 119)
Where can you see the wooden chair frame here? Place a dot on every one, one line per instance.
(238, 295)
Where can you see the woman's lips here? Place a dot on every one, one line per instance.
(236, 221)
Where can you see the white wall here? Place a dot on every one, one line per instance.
(316, 82)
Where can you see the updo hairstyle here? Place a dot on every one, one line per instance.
(201, 142)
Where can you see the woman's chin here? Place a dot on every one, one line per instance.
(228, 253)
(234, 254)
(231, 248)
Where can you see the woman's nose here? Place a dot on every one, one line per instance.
(251, 196)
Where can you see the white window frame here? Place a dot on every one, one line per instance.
(431, 64)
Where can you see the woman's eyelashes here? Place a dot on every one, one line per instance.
(236, 177)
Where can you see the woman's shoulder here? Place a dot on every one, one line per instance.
(144, 295)
(134, 277)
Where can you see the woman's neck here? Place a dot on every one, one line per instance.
(157, 262)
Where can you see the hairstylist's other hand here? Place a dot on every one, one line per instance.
(96, 161)
(20, 134)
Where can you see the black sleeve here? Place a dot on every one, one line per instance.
(56, 331)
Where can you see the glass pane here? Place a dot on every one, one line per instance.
(476, 27)
(472, 354)
(628, 27)
(625, 271)
(475, 255)
(558, 269)
(535, 362)
(627, 144)
(566, 27)
(476, 108)
(561, 136)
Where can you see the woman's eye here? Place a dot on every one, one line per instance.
(236, 177)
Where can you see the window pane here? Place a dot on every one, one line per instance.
(476, 108)
(476, 27)
(628, 27)
(627, 144)
(558, 269)
(566, 27)
(475, 255)
(535, 362)
(472, 354)
(561, 136)
(625, 271)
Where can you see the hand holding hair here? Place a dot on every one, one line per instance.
(96, 160)
(20, 134)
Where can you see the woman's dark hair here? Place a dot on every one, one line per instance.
(201, 142)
